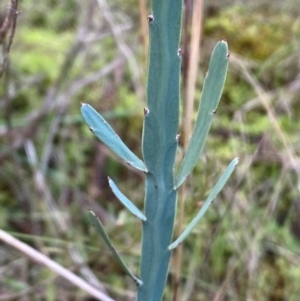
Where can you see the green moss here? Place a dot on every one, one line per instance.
(40, 51)
(255, 35)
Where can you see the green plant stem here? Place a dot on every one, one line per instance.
(159, 146)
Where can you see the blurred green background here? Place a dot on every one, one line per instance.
(52, 169)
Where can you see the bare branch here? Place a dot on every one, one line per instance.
(9, 24)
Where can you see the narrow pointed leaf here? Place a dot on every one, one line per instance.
(108, 136)
(125, 201)
(211, 94)
(214, 192)
(100, 229)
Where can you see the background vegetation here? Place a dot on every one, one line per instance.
(52, 169)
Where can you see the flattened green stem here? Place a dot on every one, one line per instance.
(125, 201)
(214, 192)
(211, 94)
(100, 229)
(100, 127)
(159, 146)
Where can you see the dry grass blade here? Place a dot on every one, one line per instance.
(123, 47)
(292, 161)
(196, 28)
(63, 272)
(143, 9)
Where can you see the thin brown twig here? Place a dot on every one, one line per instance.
(144, 25)
(194, 54)
(187, 126)
(7, 21)
(61, 101)
(9, 24)
(123, 47)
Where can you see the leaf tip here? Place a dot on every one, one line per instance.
(92, 212)
(83, 104)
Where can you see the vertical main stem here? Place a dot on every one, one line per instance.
(159, 146)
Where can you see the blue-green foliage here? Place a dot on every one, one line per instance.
(100, 127)
(159, 145)
(211, 94)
